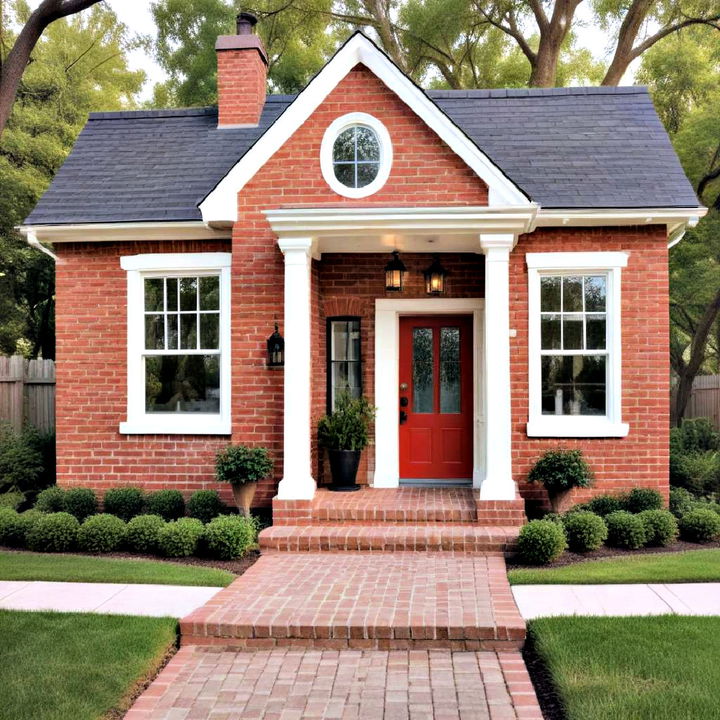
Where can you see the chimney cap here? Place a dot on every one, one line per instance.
(245, 22)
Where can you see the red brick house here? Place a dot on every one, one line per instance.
(532, 225)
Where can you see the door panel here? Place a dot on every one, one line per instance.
(436, 398)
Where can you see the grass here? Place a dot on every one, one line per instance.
(664, 668)
(690, 566)
(55, 666)
(83, 568)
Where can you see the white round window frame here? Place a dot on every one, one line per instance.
(326, 154)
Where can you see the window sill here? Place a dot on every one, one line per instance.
(198, 425)
(575, 426)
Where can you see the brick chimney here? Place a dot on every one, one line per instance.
(242, 75)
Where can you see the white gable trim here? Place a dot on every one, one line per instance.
(220, 205)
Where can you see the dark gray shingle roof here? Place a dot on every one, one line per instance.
(565, 147)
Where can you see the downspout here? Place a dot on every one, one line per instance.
(678, 233)
(31, 239)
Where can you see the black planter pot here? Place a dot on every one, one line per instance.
(344, 467)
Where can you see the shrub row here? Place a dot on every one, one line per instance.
(636, 501)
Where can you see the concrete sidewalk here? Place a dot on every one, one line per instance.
(617, 600)
(107, 598)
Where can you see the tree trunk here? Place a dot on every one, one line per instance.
(629, 30)
(681, 399)
(553, 32)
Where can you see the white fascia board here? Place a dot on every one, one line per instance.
(674, 218)
(220, 205)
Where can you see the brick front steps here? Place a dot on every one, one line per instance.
(391, 601)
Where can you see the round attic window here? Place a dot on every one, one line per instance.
(356, 155)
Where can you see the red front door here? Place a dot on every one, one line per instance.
(436, 397)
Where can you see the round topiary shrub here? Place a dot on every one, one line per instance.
(681, 501)
(101, 533)
(51, 500)
(16, 528)
(8, 521)
(603, 505)
(57, 532)
(661, 527)
(80, 502)
(541, 541)
(125, 502)
(700, 526)
(180, 538)
(559, 471)
(625, 530)
(584, 531)
(142, 534)
(640, 499)
(205, 505)
(229, 537)
(168, 504)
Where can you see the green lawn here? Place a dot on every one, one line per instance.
(56, 666)
(691, 566)
(83, 568)
(655, 668)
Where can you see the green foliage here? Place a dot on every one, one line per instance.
(700, 526)
(661, 527)
(51, 500)
(205, 505)
(584, 531)
(142, 534)
(80, 502)
(604, 504)
(125, 502)
(21, 460)
(561, 470)
(180, 538)
(101, 533)
(12, 500)
(696, 435)
(640, 499)
(348, 426)
(681, 501)
(239, 464)
(168, 504)
(14, 527)
(56, 532)
(625, 530)
(541, 541)
(229, 537)
(698, 472)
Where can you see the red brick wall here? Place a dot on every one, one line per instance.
(242, 81)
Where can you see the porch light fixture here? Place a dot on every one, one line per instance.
(435, 278)
(394, 273)
(276, 350)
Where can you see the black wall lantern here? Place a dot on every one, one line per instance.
(394, 273)
(276, 350)
(435, 278)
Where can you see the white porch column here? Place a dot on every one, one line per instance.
(498, 482)
(297, 482)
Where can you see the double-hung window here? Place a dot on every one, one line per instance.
(178, 343)
(575, 358)
(344, 363)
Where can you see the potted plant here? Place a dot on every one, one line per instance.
(242, 467)
(345, 433)
(559, 471)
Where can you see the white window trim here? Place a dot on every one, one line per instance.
(138, 421)
(611, 425)
(326, 154)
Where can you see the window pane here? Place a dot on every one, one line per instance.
(572, 332)
(422, 370)
(154, 295)
(172, 325)
(550, 332)
(573, 385)
(209, 331)
(366, 173)
(344, 147)
(188, 332)
(154, 332)
(450, 370)
(182, 383)
(550, 294)
(595, 332)
(188, 293)
(368, 147)
(595, 293)
(345, 378)
(345, 340)
(345, 173)
(210, 293)
(172, 294)
(572, 294)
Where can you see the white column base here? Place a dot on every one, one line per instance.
(297, 488)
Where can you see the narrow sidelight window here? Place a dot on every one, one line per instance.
(344, 362)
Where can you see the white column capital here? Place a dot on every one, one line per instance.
(295, 246)
(497, 245)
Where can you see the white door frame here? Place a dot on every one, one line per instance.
(387, 378)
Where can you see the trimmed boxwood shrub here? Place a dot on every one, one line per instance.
(541, 542)
(143, 533)
(560, 471)
(700, 526)
(603, 505)
(205, 505)
(15, 526)
(51, 500)
(625, 530)
(180, 538)
(8, 522)
(56, 532)
(640, 499)
(168, 504)
(681, 501)
(12, 500)
(101, 533)
(228, 537)
(661, 527)
(125, 502)
(584, 531)
(81, 502)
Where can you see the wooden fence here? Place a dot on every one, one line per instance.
(705, 399)
(27, 392)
